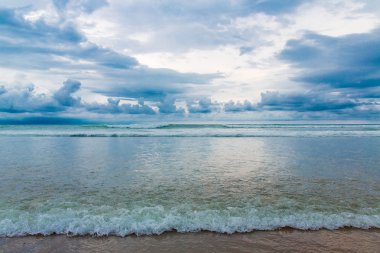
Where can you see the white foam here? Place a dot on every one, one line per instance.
(156, 220)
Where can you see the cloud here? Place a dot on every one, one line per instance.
(58, 46)
(64, 95)
(245, 50)
(342, 74)
(233, 106)
(113, 106)
(16, 29)
(98, 42)
(167, 105)
(314, 104)
(87, 6)
(153, 84)
(2, 90)
(309, 103)
(350, 61)
(306, 102)
(203, 105)
(178, 26)
(275, 6)
(44, 45)
(26, 99)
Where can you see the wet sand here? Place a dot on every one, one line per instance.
(286, 240)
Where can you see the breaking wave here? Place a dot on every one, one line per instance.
(157, 220)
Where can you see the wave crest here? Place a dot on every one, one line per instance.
(157, 220)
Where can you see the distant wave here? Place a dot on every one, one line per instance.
(172, 126)
(367, 127)
(157, 220)
(193, 135)
(115, 135)
(193, 130)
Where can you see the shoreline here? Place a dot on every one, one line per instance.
(281, 240)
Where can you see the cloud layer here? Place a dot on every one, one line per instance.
(83, 58)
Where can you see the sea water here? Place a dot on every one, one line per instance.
(153, 178)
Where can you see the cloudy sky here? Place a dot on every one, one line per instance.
(120, 60)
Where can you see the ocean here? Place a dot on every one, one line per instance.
(152, 178)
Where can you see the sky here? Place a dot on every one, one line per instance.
(239, 60)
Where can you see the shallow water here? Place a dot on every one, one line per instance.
(342, 240)
(52, 183)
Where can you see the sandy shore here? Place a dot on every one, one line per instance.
(286, 240)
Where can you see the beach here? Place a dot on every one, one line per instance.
(285, 240)
(189, 126)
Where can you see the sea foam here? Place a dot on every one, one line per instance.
(157, 220)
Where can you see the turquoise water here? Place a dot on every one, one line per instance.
(231, 178)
